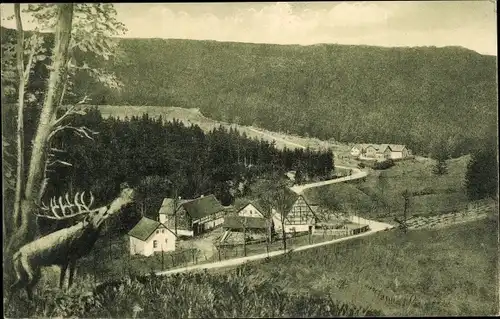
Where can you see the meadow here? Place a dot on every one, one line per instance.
(452, 271)
(379, 195)
(449, 272)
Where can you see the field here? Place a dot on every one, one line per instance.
(379, 194)
(425, 272)
(194, 116)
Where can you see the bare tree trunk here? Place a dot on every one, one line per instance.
(26, 231)
(20, 118)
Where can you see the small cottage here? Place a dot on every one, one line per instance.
(192, 217)
(149, 236)
(399, 151)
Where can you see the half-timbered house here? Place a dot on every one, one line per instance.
(298, 215)
(192, 217)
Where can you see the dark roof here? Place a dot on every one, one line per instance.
(203, 206)
(237, 222)
(144, 228)
(382, 147)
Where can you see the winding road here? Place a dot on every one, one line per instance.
(375, 226)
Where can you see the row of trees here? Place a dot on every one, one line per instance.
(167, 159)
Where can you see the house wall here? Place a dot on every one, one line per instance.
(183, 221)
(396, 155)
(250, 211)
(301, 213)
(136, 246)
(355, 151)
(211, 221)
(370, 151)
(165, 241)
(289, 228)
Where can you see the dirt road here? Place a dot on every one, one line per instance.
(375, 227)
(357, 173)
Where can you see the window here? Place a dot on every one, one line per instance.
(166, 241)
(155, 244)
(163, 231)
(157, 231)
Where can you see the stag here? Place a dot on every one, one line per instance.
(65, 246)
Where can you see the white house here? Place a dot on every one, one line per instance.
(150, 236)
(250, 210)
(359, 149)
(298, 214)
(399, 151)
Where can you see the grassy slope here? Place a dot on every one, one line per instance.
(379, 195)
(451, 272)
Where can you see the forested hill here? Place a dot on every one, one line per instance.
(425, 97)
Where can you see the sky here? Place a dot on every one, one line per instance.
(470, 24)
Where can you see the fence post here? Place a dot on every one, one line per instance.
(173, 261)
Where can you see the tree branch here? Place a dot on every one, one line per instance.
(82, 131)
(71, 110)
(28, 66)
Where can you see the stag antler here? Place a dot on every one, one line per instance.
(58, 209)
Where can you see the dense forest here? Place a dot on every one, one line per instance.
(164, 159)
(424, 97)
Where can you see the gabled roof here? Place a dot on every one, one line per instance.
(203, 206)
(397, 147)
(246, 203)
(238, 222)
(382, 147)
(196, 208)
(361, 146)
(291, 198)
(167, 206)
(144, 228)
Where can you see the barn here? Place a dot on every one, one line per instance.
(192, 217)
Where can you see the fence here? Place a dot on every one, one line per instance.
(111, 260)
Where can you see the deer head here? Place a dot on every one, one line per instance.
(126, 197)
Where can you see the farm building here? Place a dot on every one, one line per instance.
(250, 209)
(192, 217)
(298, 214)
(254, 228)
(149, 236)
(399, 151)
(358, 149)
(380, 151)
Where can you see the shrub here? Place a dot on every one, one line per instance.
(388, 163)
(198, 295)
